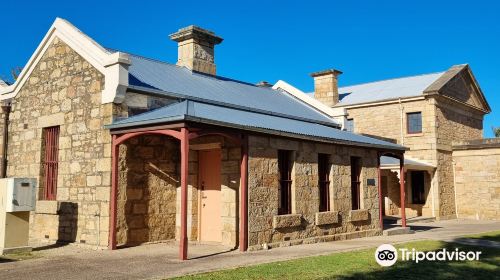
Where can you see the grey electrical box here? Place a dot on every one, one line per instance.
(18, 194)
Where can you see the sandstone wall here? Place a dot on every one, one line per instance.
(477, 182)
(65, 90)
(266, 228)
(147, 182)
(388, 121)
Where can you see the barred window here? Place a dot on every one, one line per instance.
(324, 182)
(285, 190)
(50, 162)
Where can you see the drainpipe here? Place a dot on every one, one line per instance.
(6, 113)
(455, 187)
(401, 125)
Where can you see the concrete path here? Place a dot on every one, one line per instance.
(159, 261)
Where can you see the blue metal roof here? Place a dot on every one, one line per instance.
(236, 118)
(386, 89)
(179, 81)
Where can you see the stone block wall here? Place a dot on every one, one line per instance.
(147, 182)
(477, 181)
(263, 183)
(65, 90)
(388, 122)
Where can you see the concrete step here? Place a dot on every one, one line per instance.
(418, 220)
(398, 231)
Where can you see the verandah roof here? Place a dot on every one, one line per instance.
(200, 112)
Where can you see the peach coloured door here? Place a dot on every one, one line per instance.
(209, 177)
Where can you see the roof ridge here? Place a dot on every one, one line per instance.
(147, 58)
(177, 66)
(392, 79)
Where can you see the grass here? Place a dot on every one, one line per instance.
(362, 265)
(492, 236)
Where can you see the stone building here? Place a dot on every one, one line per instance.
(427, 114)
(129, 150)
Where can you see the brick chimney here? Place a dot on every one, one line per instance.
(196, 48)
(326, 87)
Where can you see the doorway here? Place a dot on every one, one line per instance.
(209, 162)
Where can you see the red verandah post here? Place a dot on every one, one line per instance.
(380, 212)
(402, 189)
(183, 242)
(244, 194)
(114, 193)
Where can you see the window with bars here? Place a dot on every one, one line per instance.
(285, 187)
(356, 183)
(414, 122)
(50, 162)
(324, 182)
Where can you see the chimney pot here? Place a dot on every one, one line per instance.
(326, 87)
(196, 48)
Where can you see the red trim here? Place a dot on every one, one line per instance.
(244, 194)
(402, 190)
(114, 193)
(183, 244)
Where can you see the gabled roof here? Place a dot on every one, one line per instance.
(172, 80)
(386, 89)
(199, 112)
(3, 83)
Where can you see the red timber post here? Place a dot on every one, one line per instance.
(244, 194)
(183, 242)
(402, 189)
(379, 180)
(114, 193)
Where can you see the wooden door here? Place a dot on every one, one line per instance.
(209, 163)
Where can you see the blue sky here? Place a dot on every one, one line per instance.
(272, 40)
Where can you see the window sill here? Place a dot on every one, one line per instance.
(287, 221)
(327, 218)
(359, 215)
(415, 134)
(47, 207)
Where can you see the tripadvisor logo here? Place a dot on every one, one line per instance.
(387, 255)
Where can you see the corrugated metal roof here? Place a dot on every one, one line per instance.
(168, 78)
(236, 118)
(386, 89)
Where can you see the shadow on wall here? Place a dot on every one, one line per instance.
(68, 221)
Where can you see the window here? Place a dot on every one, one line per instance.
(417, 187)
(285, 187)
(356, 182)
(324, 182)
(50, 162)
(414, 122)
(349, 125)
